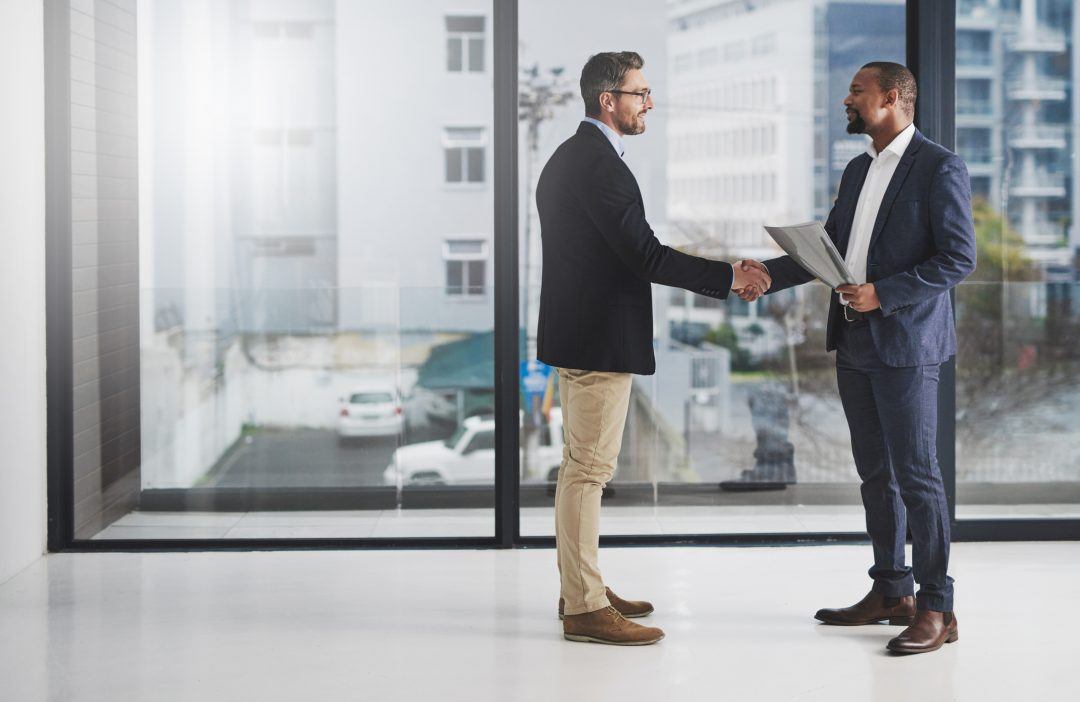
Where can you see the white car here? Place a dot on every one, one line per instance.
(369, 412)
(468, 456)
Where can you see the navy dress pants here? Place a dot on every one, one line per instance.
(892, 414)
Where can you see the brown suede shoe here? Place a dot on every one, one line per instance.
(871, 609)
(631, 609)
(607, 626)
(931, 631)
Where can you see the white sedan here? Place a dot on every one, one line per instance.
(370, 412)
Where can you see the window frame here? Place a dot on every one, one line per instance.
(931, 53)
(464, 146)
(465, 39)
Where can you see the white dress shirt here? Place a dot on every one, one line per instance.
(877, 180)
(611, 134)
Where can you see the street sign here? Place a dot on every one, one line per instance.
(534, 378)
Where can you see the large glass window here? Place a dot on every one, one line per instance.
(748, 129)
(1018, 316)
(283, 263)
(270, 271)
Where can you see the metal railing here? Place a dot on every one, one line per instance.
(1037, 133)
(1042, 39)
(1038, 183)
(1037, 89)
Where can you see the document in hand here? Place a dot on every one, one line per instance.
(811, 248)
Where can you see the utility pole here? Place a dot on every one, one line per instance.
(539, 93)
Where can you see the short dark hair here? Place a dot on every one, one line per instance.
(895, 76)
(605, 72)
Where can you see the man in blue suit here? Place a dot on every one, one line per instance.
(902, 220)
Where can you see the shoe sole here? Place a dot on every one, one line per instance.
(593, 639)
(952, 638)
(892, 621)
(625, 616)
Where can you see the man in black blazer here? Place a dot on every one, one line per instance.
(600, 258)
(902, 220)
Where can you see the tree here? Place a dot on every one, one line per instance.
(726, 337)
(991, 381)
(982, 299)
(1001, 259)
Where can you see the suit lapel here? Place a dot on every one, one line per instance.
(895, 184)
(844, 235)
(591, 130)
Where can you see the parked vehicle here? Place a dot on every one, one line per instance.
(370, 411)
(443, 406)
(468, 456)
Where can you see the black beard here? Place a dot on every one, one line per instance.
(857, 125)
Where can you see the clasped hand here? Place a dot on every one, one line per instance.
(752, 279)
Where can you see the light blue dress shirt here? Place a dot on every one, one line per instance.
(611, 134)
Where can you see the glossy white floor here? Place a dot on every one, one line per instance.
(480, 625)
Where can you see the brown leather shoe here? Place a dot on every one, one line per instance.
(631, 609)
(607, 626)
(871, 609)
(931, 631)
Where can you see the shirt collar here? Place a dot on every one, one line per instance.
(898, 145)
(611, 134)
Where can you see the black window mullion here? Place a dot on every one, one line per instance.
(507, 350)
(931, 56)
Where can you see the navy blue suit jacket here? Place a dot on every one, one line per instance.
(923, 244)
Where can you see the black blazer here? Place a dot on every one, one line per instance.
(599, 258)
(922, 246)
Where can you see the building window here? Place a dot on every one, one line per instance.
(465, 44)
(464, 147)
(763, 45)
(466, 264)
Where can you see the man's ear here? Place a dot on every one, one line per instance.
(607, 102)
(892, 98)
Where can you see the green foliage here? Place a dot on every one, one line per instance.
(725, 336)
(1001, 259)
(1000, 248)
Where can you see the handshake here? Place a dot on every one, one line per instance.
(751, 279)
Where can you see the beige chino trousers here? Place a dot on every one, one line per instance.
(594, 406)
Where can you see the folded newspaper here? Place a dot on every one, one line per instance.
(810, 246)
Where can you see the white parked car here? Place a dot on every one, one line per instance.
(469, 455)
(370, 411)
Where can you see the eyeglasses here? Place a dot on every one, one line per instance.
(644, 94)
